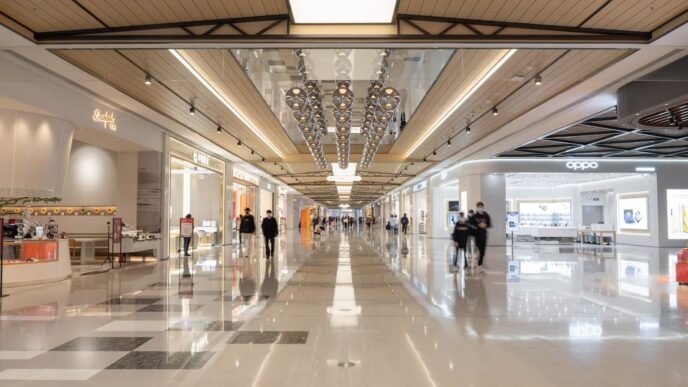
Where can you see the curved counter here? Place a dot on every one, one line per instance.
(34, 262)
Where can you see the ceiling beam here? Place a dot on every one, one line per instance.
(305, 34)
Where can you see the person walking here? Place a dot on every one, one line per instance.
(481, 222)
(316, 221)
(187, 240)
(247, 228)
(368, 221)
(270, 231)
(394, 225)
(460, 237)
(404, 223)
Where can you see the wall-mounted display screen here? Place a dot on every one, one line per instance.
(452, 205)
(632, 212)
(677, 213)
(545, 213)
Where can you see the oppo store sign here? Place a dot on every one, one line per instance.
(581, 165)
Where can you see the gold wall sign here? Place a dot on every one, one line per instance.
(106, 118)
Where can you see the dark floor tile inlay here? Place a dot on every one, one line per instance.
(216, 326)
(132, 301)
(168, 308)
(269, 337)
(159, 360)
(102, 344)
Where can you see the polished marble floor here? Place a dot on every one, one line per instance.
(357, 308)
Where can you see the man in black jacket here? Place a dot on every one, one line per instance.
(247, 228)
(270, 231)
(480, 222)
(404, 223)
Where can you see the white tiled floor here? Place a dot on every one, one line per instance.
(579, 315)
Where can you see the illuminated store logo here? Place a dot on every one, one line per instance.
(106, 118)
(201, 158)
(420, 186)
(581, 165)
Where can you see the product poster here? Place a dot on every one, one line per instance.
(632, 212)
(452, 218)
(186, 226)
(677, 213)
(116, 230)
(512, 221)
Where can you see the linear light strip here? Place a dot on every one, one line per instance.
(224, 101)
(461, 100)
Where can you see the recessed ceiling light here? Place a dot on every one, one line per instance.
(338, 12)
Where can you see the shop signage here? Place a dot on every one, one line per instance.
(186, 227)
(513, 271)
(581, 165)
(512, 222)
(116, 230)
(420, 186)
(241, 175)
(201, 158)
(106, 118)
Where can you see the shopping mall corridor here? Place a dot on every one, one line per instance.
(356, 308)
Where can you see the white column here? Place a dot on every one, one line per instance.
(165, 190)
(227, 208)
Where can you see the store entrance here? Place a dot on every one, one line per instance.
(195, 190)
(578, 207)
(244, 196)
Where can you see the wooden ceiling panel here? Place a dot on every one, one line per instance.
(58, 15)
(123, 75)
(48, 15)
(638, 15)
(568, 70)
(456, 77)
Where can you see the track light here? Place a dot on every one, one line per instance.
(219, 129)
(468, 130)
(434, 153)
(148, 79)
(495, 111)
(252, 151)
(239, 143)
(263, 159)
(449, 142)
(192, 110)
(537, 80)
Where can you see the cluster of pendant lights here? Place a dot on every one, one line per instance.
(378, 112)
(307, 110)
(342, 103)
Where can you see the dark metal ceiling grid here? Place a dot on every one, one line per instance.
(603, 136)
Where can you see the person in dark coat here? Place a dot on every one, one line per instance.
(460, 237)
(481, 222)
(270, 231)
(247, 229)
(404, 224)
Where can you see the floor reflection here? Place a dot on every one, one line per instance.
(390, 306)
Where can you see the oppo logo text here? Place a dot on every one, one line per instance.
(581, 165)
